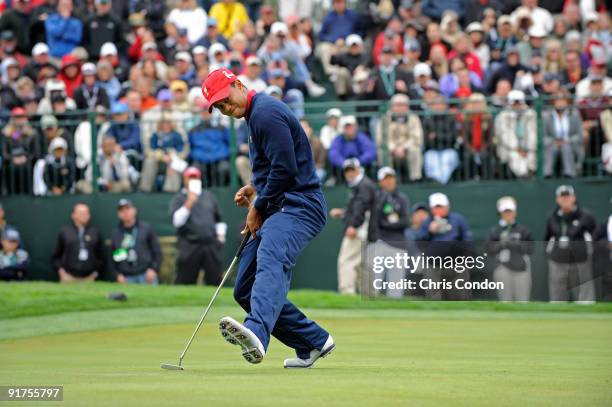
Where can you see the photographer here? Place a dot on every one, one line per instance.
(511, 243)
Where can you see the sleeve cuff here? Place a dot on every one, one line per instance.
(260, 204)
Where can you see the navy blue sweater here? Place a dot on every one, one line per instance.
(280, 153)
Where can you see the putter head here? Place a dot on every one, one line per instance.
(169, 366)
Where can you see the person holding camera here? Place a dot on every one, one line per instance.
(511, 243)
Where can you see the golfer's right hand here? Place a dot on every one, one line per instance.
(245, 196)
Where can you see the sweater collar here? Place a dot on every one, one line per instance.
(250, 95)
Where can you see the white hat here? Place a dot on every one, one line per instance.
(351, 163)
(346, 120)
(40, 48)
(148, 46)
(279, 28)
(270, 90)
(360, 75)
(108, 48)
(385, 172)
(199, 49)
(536, 31)
(88, 69)
(421, 69)
(216, 47)
(183, 56)
(253, 60)
(354, 39)
(474, 27)
(56, 143)
(506, 203)
(516, 96)
(438, 199)
(590, 16)
(333, 112)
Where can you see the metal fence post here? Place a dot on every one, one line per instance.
(385, 133)
(233, 154)
(95, 171)
(540, 144)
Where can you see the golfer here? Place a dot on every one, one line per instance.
(286, 210)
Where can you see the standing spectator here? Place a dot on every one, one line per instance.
(351, 143)
(359, 226)
(230, 15)
(14, 261)
(542, 19)
(78, 250)
(200, 230)
(125, 132)
(569, 235)
(209, 143)
(343, 64)
(331, 129)
(137, 255)
(114, 168)
(511, 243)
(441, 157)
(17, 20)
(516, 131)
(59, 172)
(337, 25)
(477, 131)
(90, 94)
(562, 136)
(392, 219)
(404, 138)
(18, 148)
(102, 28)
(64, 32)
(443, 226)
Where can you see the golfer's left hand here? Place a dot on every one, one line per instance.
(253, 221)
(150, 275)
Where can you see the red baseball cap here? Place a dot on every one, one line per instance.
(18, 111)
(217, 85)
(192, 172)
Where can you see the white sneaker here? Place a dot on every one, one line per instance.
(298, 363)
(237, 334)
(314, 90)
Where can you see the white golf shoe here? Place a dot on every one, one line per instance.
(237, 334)
(298, 363)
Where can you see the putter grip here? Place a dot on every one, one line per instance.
(244, 242)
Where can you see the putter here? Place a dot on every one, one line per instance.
(169, 366)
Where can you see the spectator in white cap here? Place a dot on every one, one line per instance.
(422, 75)
(59, 171)
(351, 143)
(516, 130)
(441, 226)
(40, 58)
(200, 56)
(344, 64)
(90, 94)
(14, 261)
(476, 33)
(217, 57)
(541, 18)
(392, 219)
(535, 45)
(331, 129)
(251, 77)
(184, 66)
(404, 138)
(188, 15)
(511, 243)
(359, 227)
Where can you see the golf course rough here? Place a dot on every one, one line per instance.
(455, 354)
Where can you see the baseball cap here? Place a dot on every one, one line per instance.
(506, 203)
(178, 84)
(149, 46)
(7, 35)
(598, 63)
(108, 48)
(164, 95)
(474, 27)
(216, 48)
(279, 28)
(211, 22)
(18, 111)
(276, 73)
(58, 143)
(516, 96)
(199, 49)
(537, 31)
(352, 163)
(8, 62)
(40, 48)
(504, 19)
(182, 32)
(590, 16)
(102, 1)
(512, 49)
(551, 76)
(421, 69)
(346, 120)
(217, 85)
(564, 190)
(123, 202)
(11, 234)
(384, 172)
(438, 199)
(183, 56)
(354, 39)
(88, 69)
(119, 108)
(333, 112)
(419, 206)
(253, 60)
(192, 172)
(386, 50)
(271, 90)
(48, 121)
(412, 45)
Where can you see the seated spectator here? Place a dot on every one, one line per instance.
(114, 168)
(508, 70)
(70, 74)
(598, 69)
(331, 128)
(180, 91)
(125, 132)
(64, 32)
(476, 34)
(18, 152)
(554, 60)
(411, 55)
(461, 50)
(11, 72)
(167, 145)
(388, 38)
(590, 108)
(13, 20)
(441, 157)
(343, 65)
(252, 75)
(532, 48)
(449, 26)
(55, 89)
(422, 75)
(389, 79)
(59, 172)
(9, 48)
(230, 15)
(573, 71)
(459, 81)
(542, 18)
(351, 143)
(14, 261)
(562, 126)
(499, 99)
(318, 151)
(516, 131)
(217, 57)
(77, 256)
(184, 67)
(137, 255)
(212, 34)
(40, 58)
(209, 143)
(477, 132)
(404, 138)
(433, 37)
(50, 129)
(289, 94)
(90, 94)
(108, 81)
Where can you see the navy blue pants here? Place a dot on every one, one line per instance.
(264, 274)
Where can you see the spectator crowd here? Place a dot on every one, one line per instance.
(468, 84)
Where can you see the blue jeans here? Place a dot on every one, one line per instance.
(139, 279)
(264, 274)
(440, 164)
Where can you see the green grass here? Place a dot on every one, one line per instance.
(389, 353)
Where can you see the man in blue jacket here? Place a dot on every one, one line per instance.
(286, 210)
(352, 143)
(64, 32)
